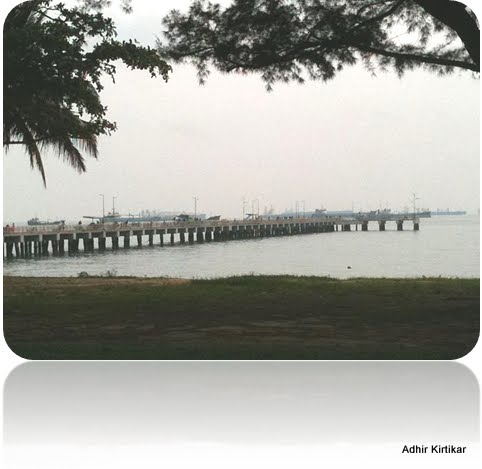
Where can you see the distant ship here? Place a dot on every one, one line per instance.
(35, 222)
(449, 212)
(116, 218)
(125, 219)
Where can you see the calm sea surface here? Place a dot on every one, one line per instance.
(444, 246)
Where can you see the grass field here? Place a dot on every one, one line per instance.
(252, 317)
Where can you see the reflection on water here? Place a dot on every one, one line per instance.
(445, 246)
(254, 403)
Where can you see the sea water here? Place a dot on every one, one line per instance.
(447, 246)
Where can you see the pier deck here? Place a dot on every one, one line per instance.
(26, 241)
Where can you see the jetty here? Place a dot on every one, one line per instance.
(42, 240)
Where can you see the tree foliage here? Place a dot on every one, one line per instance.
(285, 40)
(54, 61)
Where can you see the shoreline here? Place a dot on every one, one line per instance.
(240, 276)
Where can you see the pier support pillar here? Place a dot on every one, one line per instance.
(182, 236)
(208, 236)
(416, 225)
(127, 242)
(101, 244)
(381, 225)
(139, 241)
(151, 240)
(161, 239)
(364, 226)
(115, 242)
(17, 249)
(399, 225)
(172, 238)
(190, 237)
(199, 236)
(61, 247)
(9, 250)
(22, 249)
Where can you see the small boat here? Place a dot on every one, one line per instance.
(35, 222)
(183, 217)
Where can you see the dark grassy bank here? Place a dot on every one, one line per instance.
(257, 317)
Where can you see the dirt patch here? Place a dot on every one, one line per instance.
(56, 282)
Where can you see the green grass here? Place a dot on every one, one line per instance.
(249, 317)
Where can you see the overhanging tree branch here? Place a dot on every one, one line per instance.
(455, 16)
(52, 99)
(382, 15)
(419, 58)
(281, 39)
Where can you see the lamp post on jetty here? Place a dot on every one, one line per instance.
(257, 207)
(113, 205)
(414, 198)
(416, 225)
(103, 206)
(195, 207)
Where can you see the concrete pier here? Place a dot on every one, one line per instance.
(42, 241)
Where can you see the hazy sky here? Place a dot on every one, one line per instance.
(358, 140)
